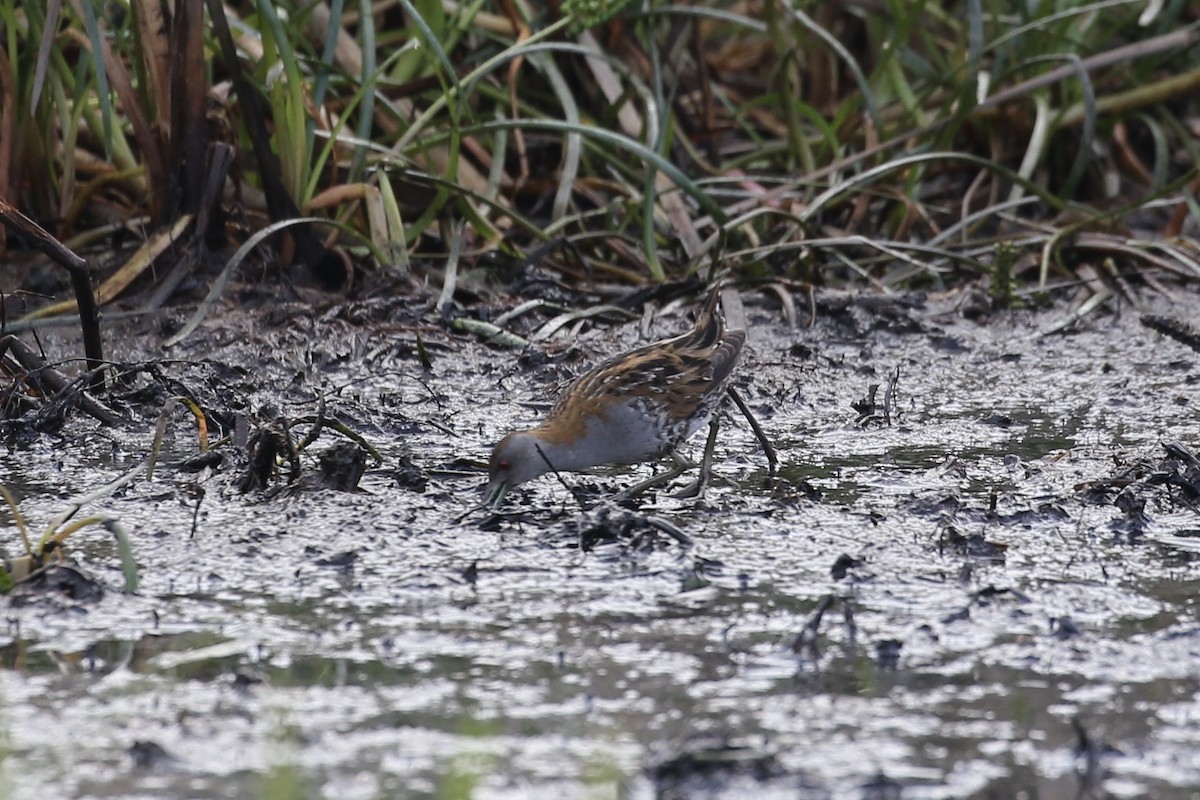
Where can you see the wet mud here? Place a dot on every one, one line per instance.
(977, 579)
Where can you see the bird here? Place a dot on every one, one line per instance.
(635, 407)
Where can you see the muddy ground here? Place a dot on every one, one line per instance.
(994, 595)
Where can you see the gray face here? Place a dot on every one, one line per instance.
(514, 461)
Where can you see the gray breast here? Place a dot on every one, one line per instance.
(629, 432)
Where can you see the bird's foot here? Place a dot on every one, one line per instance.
(695, 488)
(681, 465)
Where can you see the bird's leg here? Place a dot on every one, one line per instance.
(697, 487)
(681, 465)
(772, 459)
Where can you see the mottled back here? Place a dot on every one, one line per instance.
(686, 375)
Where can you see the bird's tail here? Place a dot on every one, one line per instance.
(709, 326)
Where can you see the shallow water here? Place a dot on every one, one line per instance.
(999, 632)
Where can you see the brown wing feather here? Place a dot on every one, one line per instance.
(681, 370)
(725, 357)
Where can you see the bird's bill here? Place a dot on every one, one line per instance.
(494, 492)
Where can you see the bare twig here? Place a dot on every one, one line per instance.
(55, 381)
(81, 283)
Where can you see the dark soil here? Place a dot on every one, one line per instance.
(977, 579)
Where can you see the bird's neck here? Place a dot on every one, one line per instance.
(564, 451)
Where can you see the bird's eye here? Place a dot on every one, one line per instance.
(504, 464)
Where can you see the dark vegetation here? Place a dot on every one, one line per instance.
(598, 146)
(571, 154)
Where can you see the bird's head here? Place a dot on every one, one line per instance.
(515, 460)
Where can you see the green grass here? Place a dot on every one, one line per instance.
(665, 136)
